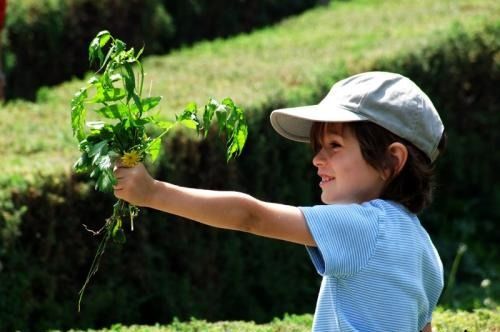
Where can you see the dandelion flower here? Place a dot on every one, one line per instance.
(130, 159)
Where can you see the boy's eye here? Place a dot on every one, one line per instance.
(334, 145)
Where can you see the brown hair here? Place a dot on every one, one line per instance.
(413, 185)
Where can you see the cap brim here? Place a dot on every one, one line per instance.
(295, 123)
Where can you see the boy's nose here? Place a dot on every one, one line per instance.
(319, 159)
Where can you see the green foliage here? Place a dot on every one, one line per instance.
(457, 321)
(444, 320)
(313, 50)
(153, 276)
(231, 17)
(290, 323)
(178, 269)
(49, 26)
(118, 94)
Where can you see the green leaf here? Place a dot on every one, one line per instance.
(148, 103)
(78, 113)
(106, 95)
(208, 115)
(104, 163)
(98, 148)
(188, 117)
(120, 46)
(188, 123)
(115, 77)
(228, 102)
(115, 111)
(95, 52)
(237, 142)
(83, 164)
(140, 77)
(165, 124)
(119, 236)
(93, 80)
(105, 181)
(104, 36)
(104, 62)
(116, 226)
(129, 81)
(231, 121)
(221, 121)
(96, 45)
(137, 102)
(153, 148)
(190, 108)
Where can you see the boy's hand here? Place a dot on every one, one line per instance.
(134, 184)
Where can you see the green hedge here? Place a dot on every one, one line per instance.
(50, 36)
(168, 268)
(182, 269)
(443, 321)
(220, 19)
(46, 41)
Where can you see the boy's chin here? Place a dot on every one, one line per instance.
(331, 200)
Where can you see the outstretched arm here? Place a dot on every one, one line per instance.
(222, 209)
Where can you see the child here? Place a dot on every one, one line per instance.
(376, 136)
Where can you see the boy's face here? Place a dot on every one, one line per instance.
(345, 176)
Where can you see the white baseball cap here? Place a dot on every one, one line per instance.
(389, 100)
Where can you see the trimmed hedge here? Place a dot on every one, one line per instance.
(50, 36)
(46, 41)
(168, 268)
(183, 269)
(221, 19)
(443, 321)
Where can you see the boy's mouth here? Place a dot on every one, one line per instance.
(325, 179)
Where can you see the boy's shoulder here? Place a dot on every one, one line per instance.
(388, 206)
(374, 215)
(369, 209)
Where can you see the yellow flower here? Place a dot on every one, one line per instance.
(131, 158)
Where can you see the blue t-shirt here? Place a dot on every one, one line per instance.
(380, 269)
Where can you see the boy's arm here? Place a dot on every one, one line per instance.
(223, 209)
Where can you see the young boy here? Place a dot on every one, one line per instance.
(376, 136)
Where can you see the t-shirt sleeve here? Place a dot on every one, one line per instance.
(345, 235)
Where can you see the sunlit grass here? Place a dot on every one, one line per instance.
(481, 320)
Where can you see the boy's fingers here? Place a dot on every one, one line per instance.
(117, 193)
(118, 163)
(118, 172)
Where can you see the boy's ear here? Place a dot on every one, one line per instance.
(398, 154)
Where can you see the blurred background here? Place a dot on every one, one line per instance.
(265, 54)
(51, 37)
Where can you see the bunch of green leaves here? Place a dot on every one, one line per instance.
(123, 125)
